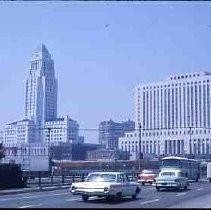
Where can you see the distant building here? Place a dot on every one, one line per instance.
(1, 136)
(22, 131)
(106, 155)
(41, 91)
(62, 130)
(110, 131)
(41, 88)
(175, 116)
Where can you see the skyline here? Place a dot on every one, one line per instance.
(100, 53)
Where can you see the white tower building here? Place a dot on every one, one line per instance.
(41, 90)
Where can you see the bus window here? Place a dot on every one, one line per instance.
(170, 163)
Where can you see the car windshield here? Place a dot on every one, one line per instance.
(168, 173)
(101, 178)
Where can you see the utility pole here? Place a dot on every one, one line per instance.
(190, 141)
(49, 152)
(140, 153)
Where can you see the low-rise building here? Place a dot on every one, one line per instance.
(17, 132)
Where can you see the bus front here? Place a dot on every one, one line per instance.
(170, 163)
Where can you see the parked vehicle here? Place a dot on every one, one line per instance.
(190, 167)
(170, 178)
(147, 176)
(106, 184)
(209, 171)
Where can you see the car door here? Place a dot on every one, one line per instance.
(183, 179)
(129, 187)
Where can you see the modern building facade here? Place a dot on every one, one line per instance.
(110, 131)
(172, 116)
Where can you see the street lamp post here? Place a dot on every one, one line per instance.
(139, 158)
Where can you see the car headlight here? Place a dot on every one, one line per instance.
(73, 188)
(105, 189)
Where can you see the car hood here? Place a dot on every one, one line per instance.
(159, 178)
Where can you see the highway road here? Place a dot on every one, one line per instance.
(197, 195)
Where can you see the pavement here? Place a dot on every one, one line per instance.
(197, 195)
(33, 189)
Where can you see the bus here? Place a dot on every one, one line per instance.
(190, 167)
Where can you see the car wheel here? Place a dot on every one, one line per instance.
(186, 187)
(178, 188)
(85, 197)
(119, 195)
(158, 188)
(136, 193)
(143, 183)
(109, 198)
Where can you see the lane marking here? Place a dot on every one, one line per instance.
(28, 206)
(73, 199)
(34, 196)
(199, 189)
(80, 199)
(150, 201)
(180, 194)
(38, 196)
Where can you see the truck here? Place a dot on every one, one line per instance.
(209, 171)
(35, 166)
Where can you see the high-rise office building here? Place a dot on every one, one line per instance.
(174, 116)
(41, 88)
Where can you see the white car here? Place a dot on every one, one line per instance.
(170, 178)
(106, 184)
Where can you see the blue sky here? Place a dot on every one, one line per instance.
(101, 51)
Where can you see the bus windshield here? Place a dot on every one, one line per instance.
(171, 163)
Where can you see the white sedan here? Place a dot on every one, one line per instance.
(170, 178)
(106, 184)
